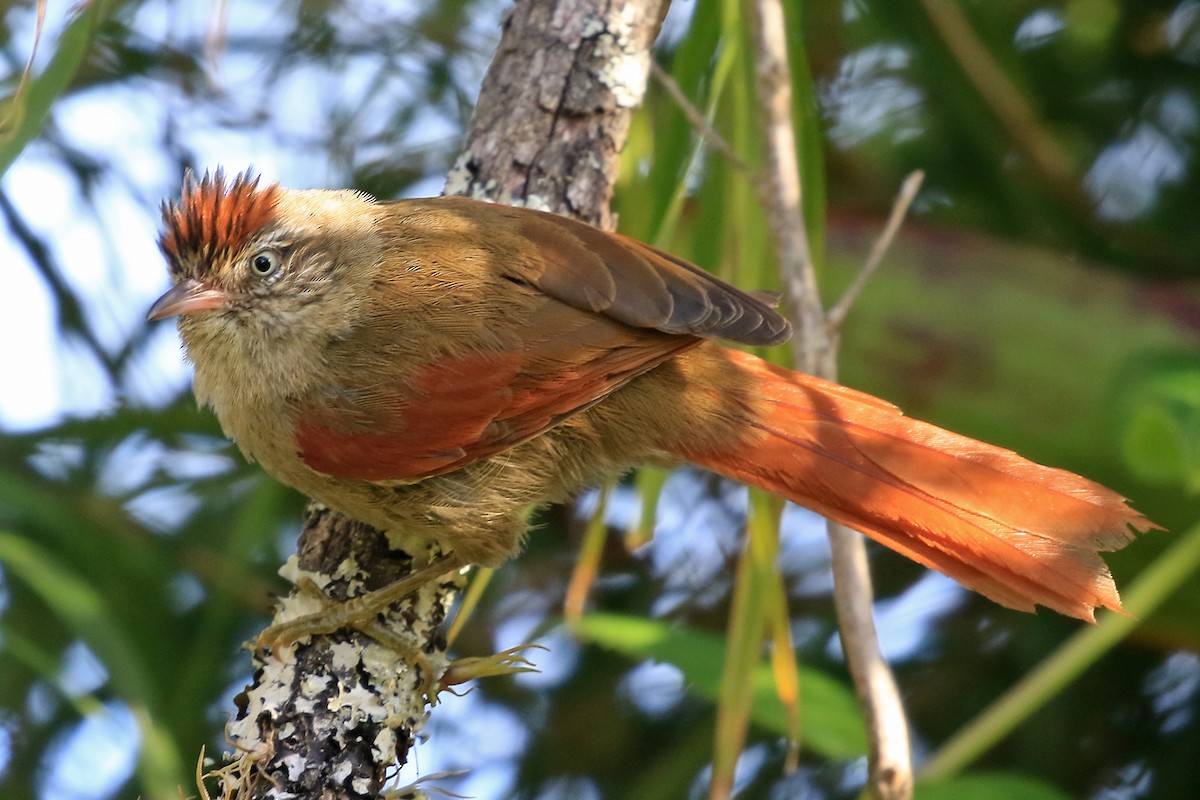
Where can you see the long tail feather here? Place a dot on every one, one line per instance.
(1018, 532)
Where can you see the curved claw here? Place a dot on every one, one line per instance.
(508, 662)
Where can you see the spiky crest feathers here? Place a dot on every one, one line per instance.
(213, 217)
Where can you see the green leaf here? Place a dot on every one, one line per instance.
(989, 786)
(24, 115)
(85, 612)
(1161, 440)
(829, 712)
(747, 622)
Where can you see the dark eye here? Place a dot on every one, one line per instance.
(264, 264)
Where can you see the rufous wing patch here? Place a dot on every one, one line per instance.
(456, 410)
(448, 406)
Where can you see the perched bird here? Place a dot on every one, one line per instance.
(439, 365)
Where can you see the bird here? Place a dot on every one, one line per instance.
(440, 365)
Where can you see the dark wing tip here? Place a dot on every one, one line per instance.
(704, 305)
(213, 215)
(768, 327)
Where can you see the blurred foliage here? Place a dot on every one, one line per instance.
(1045, 297)
(833, 727)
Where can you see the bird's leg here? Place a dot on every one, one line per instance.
(357, 612)
(361, 614)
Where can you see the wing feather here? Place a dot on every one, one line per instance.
(585, 312)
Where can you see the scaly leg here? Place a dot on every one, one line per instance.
(360, 613)
(357, 612)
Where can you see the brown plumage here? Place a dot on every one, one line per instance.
(438, 365)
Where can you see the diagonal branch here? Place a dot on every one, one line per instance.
(904, 199)
(697, 118)
(1011, 109)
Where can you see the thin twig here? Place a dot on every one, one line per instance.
(904, 199)
(781, 195)
(780, 189)
(890, 759)
(698, 119)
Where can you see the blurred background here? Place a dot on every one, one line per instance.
(1044, 295)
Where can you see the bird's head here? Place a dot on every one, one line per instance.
(263, 276)
(244, 256)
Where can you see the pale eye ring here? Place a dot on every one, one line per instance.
(264, 264)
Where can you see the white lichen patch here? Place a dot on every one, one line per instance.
(537, 202)
(291, 572)
(344, 656)
(340, 774)
(299, 604)
(312, 685)
(358, 702)
(295, 766)
(348, 570)
(624, 64)
(273, 690)
(311, 688)
(459, 178)
(623, 73)
(384, 746)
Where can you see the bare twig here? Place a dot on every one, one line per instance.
(904, 199)
(891, 776)
(781, 195)
(698, 119)
(780, 189)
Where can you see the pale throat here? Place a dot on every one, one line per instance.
(243, 368)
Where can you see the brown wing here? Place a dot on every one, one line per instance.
(458, 409)
(633, 282)
(597, 310)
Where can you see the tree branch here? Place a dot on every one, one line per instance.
(698, 119)
(554, 144)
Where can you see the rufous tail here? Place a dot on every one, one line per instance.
(1015, 531)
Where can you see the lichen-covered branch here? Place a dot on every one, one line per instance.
(330, 717)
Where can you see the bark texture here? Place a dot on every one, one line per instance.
(556, 103)
(333, 717)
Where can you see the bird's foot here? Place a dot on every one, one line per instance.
(361, 614)
(508, 662)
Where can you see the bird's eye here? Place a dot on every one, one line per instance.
(264, 264)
